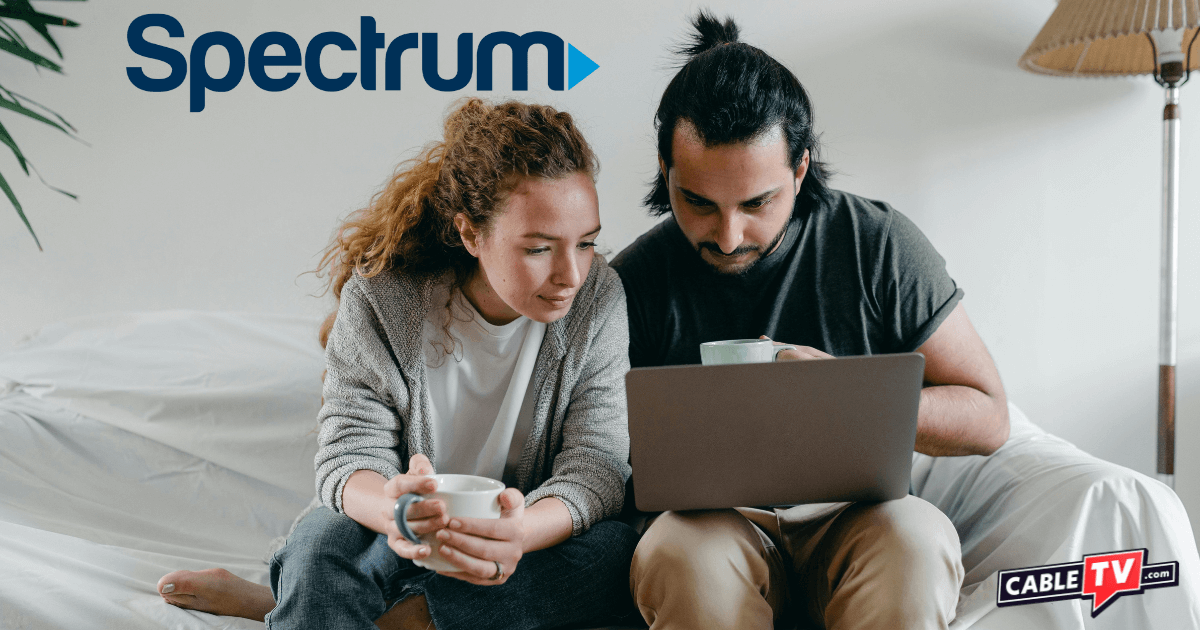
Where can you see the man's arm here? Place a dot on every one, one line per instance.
(963, 407)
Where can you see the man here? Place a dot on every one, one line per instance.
(756, 244)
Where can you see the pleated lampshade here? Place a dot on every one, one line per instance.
(1110, 37)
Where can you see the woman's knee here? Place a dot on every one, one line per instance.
(604, 549)
(324, 534)
(613, 535)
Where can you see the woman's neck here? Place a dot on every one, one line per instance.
(483, 297)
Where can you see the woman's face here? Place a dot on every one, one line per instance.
(537, 251)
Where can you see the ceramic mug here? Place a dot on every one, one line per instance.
(465, 496)
(740, 351)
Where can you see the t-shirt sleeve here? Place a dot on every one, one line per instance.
(914, 292)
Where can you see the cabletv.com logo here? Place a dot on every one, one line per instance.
(280, 50)
(1103, 577)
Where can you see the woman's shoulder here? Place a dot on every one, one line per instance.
(392, 293)
(603, 287)
(389, 304)
(600, 297)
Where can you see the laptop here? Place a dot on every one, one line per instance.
(770, 434)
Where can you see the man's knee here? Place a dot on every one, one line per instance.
(913, 527)
(703, 570)
(685, 545)
(909, 539)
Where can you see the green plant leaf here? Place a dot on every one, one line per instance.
(20, 97)
(12, 33)
(22, 10)
(13, 43)
(7, 139)
(25, 111)
(23, 52)
(16, 204)
(31, 16)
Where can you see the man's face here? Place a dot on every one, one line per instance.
(732, 201)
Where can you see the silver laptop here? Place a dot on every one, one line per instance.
(762, 434)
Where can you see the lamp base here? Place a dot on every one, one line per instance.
(1167, 479)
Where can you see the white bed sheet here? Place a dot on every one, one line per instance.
(1039, 500)
(136, 444)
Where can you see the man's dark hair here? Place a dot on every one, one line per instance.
(732, 92)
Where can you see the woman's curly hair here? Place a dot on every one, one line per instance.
(484, 152)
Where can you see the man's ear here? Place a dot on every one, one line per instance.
(801, 171)
(662, 168)
(468, 233)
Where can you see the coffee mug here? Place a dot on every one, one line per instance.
(740, 351)
(465, 496)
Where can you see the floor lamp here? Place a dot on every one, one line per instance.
(1095, 38)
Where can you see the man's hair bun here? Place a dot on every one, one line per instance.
(710, 32)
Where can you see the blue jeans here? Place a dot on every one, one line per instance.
(334, 573)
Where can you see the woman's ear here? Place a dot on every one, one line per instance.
(468, 233)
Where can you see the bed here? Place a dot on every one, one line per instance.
(133, 444)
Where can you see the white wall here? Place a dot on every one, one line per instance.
(1043, 194)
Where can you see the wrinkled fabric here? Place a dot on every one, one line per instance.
(1039, 500)
(95, 508)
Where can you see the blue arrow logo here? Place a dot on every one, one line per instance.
(579, 66)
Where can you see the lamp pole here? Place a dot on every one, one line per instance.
(1109, 38)
(1169, 76)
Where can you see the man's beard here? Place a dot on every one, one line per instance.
(740, 251)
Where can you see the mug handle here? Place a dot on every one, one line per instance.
(400, 513)
(779, 349)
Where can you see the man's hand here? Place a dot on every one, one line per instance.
(798, 353)
(425, 517)
(475, 545)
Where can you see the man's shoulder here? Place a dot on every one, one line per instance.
(869, 219)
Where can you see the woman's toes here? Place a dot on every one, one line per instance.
(174, 582)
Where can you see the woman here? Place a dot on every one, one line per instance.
(478, 333)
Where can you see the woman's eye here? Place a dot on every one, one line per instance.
(587, 245)
(536, 250)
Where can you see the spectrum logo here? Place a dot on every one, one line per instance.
(1103, 577)
(561, 58)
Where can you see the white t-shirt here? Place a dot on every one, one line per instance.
(479, 389)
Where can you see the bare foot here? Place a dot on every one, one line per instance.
(216, 591)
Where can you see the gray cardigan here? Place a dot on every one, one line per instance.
(376, 411)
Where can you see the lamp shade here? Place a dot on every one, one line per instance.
(1111, 37)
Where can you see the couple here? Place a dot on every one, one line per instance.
(477, 332)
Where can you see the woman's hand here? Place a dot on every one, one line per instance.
(424, 517)
(476, 545)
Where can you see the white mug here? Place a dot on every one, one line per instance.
(467, 496)
(740, 351)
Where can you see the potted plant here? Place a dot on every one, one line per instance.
(11, 41)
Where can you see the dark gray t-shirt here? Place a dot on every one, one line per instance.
(851, 276)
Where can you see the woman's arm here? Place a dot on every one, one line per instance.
(368, 498)
(547, 523)
(360, 427)
(590, 471)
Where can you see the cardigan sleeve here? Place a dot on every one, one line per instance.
(360, 427)
(590, 471)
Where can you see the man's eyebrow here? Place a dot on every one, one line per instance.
(547, 237)
(756, 199)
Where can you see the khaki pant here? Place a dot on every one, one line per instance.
(841, 566)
